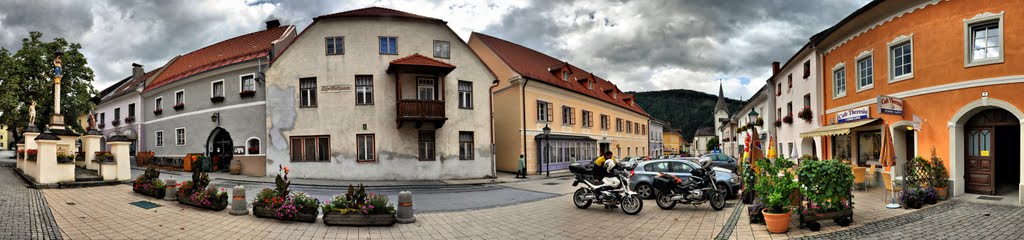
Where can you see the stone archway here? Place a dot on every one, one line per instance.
(219, 145)
(957, 140)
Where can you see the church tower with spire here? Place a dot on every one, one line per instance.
(721, 110)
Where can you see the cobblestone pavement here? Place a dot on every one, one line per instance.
(104, 213)
(956, 219)
(24, 211)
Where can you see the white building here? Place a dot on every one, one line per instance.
(797, 87)
(759, 104)
(119, 109)
(379, 94)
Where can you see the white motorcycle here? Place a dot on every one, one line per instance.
(620, 195)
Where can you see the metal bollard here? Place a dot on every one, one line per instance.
(171, 191)
(238, 204)
(405, 214)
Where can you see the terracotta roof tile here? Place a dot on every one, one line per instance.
(239, 49)
(129, 85)
(535, 65)
(376, 12)
(420, 60)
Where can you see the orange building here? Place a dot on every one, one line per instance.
(946, 75)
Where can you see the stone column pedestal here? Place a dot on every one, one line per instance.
(122, 167)
(46, 162)
(21, 160)
(30, 167)
(91, 145)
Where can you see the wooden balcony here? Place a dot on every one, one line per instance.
(421, 111)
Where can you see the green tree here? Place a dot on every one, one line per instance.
(27, 75)
(712, 144)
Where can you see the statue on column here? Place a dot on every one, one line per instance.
(57, 68)
(32, 113)
(92, 119)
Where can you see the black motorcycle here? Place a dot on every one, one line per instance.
(700, 187)
(620, 194)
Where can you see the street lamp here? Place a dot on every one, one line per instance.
(215, 118)
(547, 147)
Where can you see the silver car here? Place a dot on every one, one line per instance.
(643, 176)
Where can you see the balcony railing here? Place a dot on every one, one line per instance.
(420, 111)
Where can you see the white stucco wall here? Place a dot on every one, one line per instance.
(790, 133)
(337, 116)
(121, 102)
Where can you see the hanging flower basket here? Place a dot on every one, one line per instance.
(759, 122)
(247, 94)
(806, 114)
(788, 119)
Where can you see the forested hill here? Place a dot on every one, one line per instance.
(685, 109)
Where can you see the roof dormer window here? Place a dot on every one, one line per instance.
(590, 85)
(565, 76)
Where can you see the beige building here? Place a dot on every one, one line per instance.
(379, 94)
(585, 114)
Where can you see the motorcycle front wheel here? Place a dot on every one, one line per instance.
(579, 198)
(631, 204)
(717, 200)
(664, 200)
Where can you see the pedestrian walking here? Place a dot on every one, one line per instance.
(521, 169)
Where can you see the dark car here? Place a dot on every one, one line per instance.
(720, 160)
(642, 177)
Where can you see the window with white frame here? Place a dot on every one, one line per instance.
(364, 90)
(568, 115)
(544, 111)
(253, 146)
(248, 82)
(901, 59)
(158, 104)
(466, 94)
(839, 82)
(179, 136)
(441, 49)
(179, 97)
(307, 92)
(865, 73)
(159, 138)
(983, 43)
(335, 45)
(465, 145)
(426, 145)
(217, 89)
(365, 148)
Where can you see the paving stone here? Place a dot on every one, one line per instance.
(24, 212)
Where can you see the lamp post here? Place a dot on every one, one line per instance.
(215, 118)
(547, 148)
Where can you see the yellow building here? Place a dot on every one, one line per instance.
(671, 139)
(586, 114)
(4, 138)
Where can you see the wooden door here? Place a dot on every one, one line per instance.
(980, 156)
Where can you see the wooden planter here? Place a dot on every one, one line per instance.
(158, 194)
(843, 218)
(358, 220)
(183, 199)
(264, 212)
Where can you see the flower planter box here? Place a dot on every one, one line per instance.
(156, 193)
(129, 120)
(179, 107)
(158, 111)
(338, 219)
(247, 94)
(116, 123)
(264, 212)
(217, 99)
(184, 199)
(843, 218)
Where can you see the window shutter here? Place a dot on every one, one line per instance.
(572, 116)
(551, 112)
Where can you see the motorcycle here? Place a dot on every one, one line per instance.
(699, 188)
(620, 195)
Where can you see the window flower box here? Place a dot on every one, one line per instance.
(129, 119)
(778, 123)
(31, 154)
(247, 94)
(102, 157)
(217, 99)
(64, 157)
(265, 212)
(806, 114)
(158, 111)
(101, 125)
(788, 119)
(179, 106)
(253, 150)
(116, 122)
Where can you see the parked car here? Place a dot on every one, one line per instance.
(721, 160)
(630, 162)
(642, 177)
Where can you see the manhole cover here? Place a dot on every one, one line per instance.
(550, 183)
(991, 198)
(145, 204)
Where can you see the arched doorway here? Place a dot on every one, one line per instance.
(999, 152)
(807, 147)
(992, 138)
(220, 147)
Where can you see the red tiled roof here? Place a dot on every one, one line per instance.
(130, 85)
(376, 12)
(535, 65)
(235, 50)
(420, 60)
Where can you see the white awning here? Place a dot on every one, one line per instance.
(837, 129)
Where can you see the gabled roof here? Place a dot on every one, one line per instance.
(376, 12)
(705, 131)
(128, 85)
(537, 66)
(420, 60)
(239, 49)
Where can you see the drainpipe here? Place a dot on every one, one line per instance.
(490, 100)
(522, 95)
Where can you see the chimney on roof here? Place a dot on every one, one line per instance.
(137, 71)
(775, 68)
(273, 23)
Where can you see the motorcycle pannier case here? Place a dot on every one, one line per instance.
(663, 183)
(577, 168)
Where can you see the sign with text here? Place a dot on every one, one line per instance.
(239, 150)
(336, 88)
(890, 105)
(853, 114)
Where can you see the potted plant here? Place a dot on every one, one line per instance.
(939, 176)
(150, 184)
(806, 114)
(774, 187)
(158, 111)
(749, 181)
(282, 204)
(825, 189)
(198, 193)
(179, 106)
(788, 119)
(65, 157)
(217, 99)
(31, 154)
(911, 199)
(247, 93)
(358, 208)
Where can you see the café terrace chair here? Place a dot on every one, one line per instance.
(871, 175)
(858, 176)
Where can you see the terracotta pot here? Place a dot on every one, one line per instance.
(236, 167)
(943, 194)
(776, 222)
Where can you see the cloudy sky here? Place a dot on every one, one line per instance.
(639, 45)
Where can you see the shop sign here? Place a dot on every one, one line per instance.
(917, 122)
(336, 88)
(853, 114)
(239, 150)
(890, 105)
